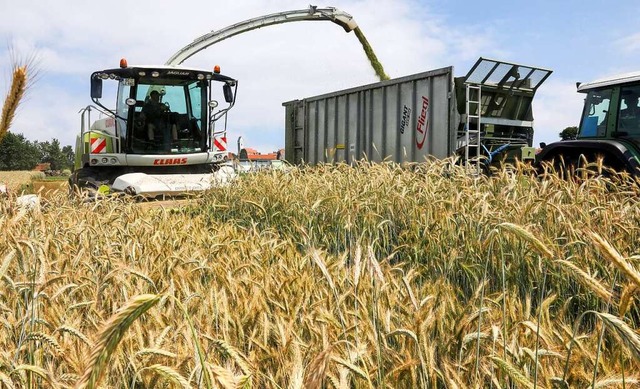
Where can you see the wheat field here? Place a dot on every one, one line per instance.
(16, 179)
(373, 276)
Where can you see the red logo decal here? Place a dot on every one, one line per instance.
(423, 123)
(170, 161)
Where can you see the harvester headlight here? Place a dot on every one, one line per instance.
(200, 76)
(105, 160)
(142, 74)
(155, 74)
(208, 76)
(104, 76)
(114, 161)
(94, 161)
(112, 76)
(130, 102)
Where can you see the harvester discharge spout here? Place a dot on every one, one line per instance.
(337, 16)
(331, 14)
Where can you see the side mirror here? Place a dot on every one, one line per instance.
(96, 88)
(228, 93)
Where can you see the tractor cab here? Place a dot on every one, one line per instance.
(609, 131)
(611, 109)
(164, 128)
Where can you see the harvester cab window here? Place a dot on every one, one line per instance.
(164, 120)
(195, 96)
(629, 115)
(596, 114)
(122, 109)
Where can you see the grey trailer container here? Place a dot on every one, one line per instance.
(411, 118)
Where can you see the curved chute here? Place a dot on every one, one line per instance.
(331, 14)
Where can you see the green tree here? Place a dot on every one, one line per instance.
(54, 155)
(17, 153)
(69, 155)
(569, 133)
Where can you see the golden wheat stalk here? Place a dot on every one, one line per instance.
(617, 382)
(39, 371)
(168, 374)
(43, 338)
(7, 261)
(628, 336)
(586, 279)
(204, 374)
(6, 381)
(75, 332)
(223, 377)
(14, 96)
(626, 298)
(317, 369)
(513, 373)
(315, 255)
(110, 335)
(614, 256)
(156, 352)
(230, 351)
(528, 236)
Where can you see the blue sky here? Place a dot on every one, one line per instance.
(578, 40)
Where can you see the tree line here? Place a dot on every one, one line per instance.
(18, 153)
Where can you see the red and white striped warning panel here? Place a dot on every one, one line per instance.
(220, 143)
(98, 145)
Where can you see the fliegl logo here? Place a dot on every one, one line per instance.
(423, 123)
(170, 161)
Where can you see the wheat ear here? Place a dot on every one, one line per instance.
(512, 372)
(614, 256)
(616, 382)
(16, 92)
(317, 369)
(624, 332)
(168, 374)
(585, 279)
(110, 335)
(528, 236)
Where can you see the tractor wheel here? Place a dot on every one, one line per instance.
(85, 186)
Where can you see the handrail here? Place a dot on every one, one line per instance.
(85, 126)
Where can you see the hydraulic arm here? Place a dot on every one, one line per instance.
(331, 14)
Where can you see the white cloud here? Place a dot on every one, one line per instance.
(629, 44)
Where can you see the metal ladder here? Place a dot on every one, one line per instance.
(472, 105)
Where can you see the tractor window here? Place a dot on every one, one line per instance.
(596, 114)
(629, 115)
